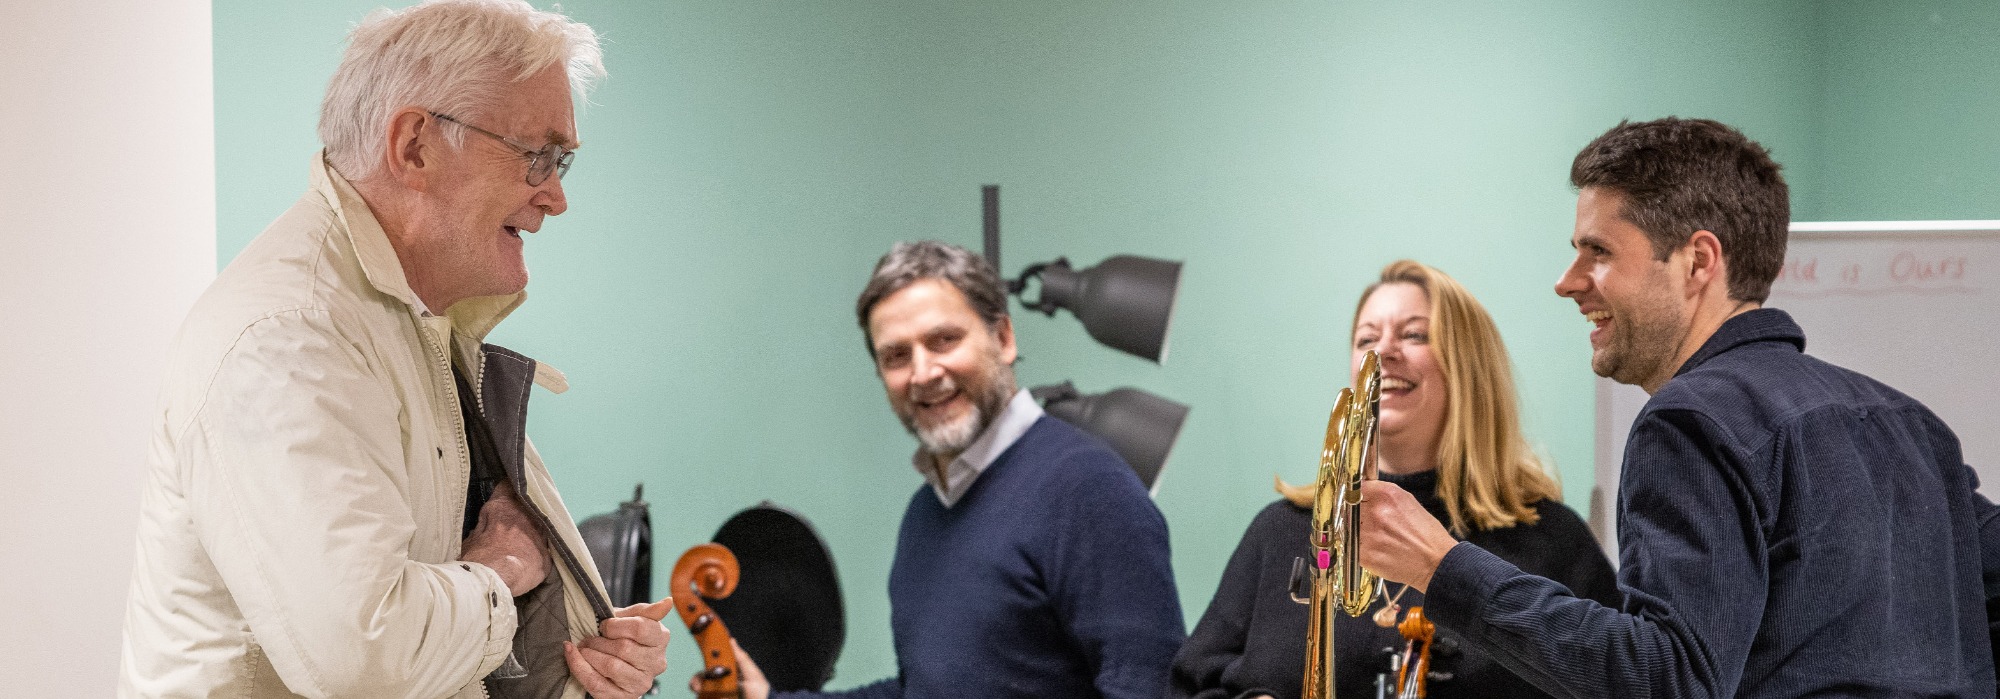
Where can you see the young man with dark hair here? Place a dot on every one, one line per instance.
(1787, 528)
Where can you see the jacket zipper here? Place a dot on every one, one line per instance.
(443, 357)
(598, 605)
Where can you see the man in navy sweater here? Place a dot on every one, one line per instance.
(1032, 563)
(1787, 528)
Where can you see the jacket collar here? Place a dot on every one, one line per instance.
(1759, 325)
(474, 316)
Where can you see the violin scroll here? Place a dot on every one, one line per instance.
(1414, 669)
(705, 572)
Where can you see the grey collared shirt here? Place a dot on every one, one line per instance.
(1020, 413)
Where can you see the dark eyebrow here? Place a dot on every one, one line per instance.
(944, 328)
(927, 334)
(562, 139)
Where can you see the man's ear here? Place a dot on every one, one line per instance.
(1705, 264)
(1004, 330)
(413, 144)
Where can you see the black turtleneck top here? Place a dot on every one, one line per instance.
(1252, 639)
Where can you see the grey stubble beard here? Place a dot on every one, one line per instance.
(955, 436)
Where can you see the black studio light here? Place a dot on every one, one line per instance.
(1126, 303)
(621, 543)
(1140, 426)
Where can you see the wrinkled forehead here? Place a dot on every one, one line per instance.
(919, 308)
(539, 111)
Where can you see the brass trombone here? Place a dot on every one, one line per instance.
(1337, 579)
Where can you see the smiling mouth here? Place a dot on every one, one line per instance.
(1391, 384)
(1599, 321)
(933, 404)
(1600, 325)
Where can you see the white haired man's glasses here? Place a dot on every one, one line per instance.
(550, 158)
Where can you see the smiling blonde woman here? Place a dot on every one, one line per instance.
(1450, 433)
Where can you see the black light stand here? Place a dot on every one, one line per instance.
(1125, 303)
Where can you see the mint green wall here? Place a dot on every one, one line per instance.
(747, 162)
(1911, 128)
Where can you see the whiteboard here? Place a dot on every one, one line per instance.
(1913, 304)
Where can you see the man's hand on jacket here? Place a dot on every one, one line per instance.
(622, 660)
(507, 541)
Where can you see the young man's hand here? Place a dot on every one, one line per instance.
(749, 678)
(1400, 540)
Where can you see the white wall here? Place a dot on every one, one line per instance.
(107, 187)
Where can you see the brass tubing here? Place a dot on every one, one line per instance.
(1338, 580)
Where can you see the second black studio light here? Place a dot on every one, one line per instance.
(1140, 426)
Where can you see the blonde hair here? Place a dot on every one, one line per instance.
(1488, 477)
(450, 56)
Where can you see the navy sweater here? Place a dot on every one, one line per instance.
(1786, 528)
(1049, 578)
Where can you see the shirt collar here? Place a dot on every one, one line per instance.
(1020, 413)
(1757, 325)
(474, 316)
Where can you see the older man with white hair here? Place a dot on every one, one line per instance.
(342, 500)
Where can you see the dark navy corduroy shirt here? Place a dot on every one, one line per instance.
(1049, 578)
(1787, 528)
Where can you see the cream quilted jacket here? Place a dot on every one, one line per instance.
(301, 518)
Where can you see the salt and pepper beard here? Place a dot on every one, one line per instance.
(987, 402)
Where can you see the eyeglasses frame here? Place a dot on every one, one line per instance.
(558, 156)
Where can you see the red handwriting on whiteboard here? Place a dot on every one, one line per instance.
(1800, 271)
(1908, 267)
(1884, 272)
